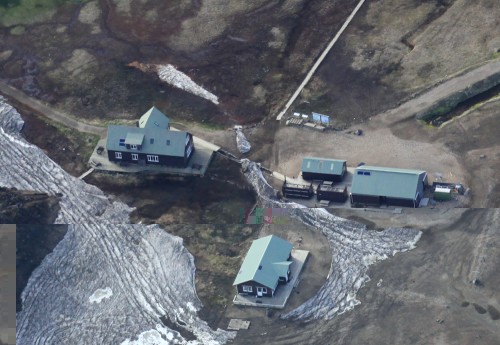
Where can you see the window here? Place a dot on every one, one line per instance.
(133, 147)
(152, 158)
(135, 156)
(247, 288)
(360, 173)
(367, 173)
(187, 139)
(152, 140)
(168, 142)
(118, 155)
(122, 142)
(190, 148)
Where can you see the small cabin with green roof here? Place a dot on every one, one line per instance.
(266, 266)
(323, 169)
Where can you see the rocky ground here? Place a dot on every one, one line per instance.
(247, 54)
(28, 207)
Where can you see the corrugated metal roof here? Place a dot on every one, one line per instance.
(156, 141)
(388, 182)
(265, 261)
(153, 118)
(322, 165)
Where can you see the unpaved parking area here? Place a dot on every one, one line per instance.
(377, 147)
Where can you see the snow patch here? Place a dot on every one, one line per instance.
(100, 294)
(174, 77)
(242, 142)
(158, 336)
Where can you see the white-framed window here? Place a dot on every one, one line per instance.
(187, 139)
(152, 158)
(190, 148)
(247, 288)
(118, 155)
(135, 156)
(133, 147)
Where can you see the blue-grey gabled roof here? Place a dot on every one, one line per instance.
(265, 261)
(322, 165)
(153, 118)
(156, 141)
(388, 182)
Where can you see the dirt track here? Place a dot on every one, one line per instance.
(49, 112)
(411, 293)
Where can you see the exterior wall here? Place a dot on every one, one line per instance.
(142, 156)
(365, 199)
(254, 286)
(376, 200)
(331, 195)
(402, 202)
(322, 177)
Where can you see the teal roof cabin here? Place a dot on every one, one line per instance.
(266, 265)
(378, 186)
(324, 169)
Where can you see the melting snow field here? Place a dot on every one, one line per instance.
(174, 77)
(354, 249)
(104, 283)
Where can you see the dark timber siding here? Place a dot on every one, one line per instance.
(254, 286)
(181, 162)
(377, 200)
(322, 177)
(337, 195)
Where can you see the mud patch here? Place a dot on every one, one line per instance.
(479, 309)
(465, 304)
(494, 313)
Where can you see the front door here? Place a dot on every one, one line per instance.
(261, 291)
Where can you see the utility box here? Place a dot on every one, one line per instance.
(442, 194)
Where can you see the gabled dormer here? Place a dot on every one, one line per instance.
(134, 141)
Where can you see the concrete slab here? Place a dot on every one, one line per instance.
(198, 164)
(283, 292)
(237, 324)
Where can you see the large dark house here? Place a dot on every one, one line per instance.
(323, 169)
(388, 186)
(152, 142)
(266, 265)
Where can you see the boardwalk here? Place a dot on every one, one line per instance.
(319, 61)
(87, 173)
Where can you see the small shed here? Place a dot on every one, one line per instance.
(323, 169)
(442, 194)
(328, 191)
(266, 265)
(293, 190)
